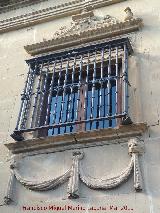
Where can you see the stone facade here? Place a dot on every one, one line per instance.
(106, 170)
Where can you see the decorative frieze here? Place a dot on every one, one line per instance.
(85, 28)
(50, 13)
(77, 173)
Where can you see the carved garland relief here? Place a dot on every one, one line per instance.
(76, 173)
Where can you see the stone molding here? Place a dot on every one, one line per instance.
(79, 139)
(5, 7)
(96, 33)
(86, 27)
(51, 13)
(77, 173)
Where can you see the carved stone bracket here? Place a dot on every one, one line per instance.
(135, 149)
(76, 173)
(86, 27)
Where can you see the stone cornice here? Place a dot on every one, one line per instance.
(5, 7)
(79, 139)
(51, 13)
(100, 32)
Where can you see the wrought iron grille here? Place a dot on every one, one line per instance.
(76, 90)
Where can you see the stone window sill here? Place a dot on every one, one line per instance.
(48, 144)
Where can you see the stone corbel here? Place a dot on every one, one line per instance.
(73, 185)
(135, 150)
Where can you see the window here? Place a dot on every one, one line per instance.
(76, 90)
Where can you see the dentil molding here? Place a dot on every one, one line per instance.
(50, 13)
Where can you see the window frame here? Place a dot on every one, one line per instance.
(123, 42)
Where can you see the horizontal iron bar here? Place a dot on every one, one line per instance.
(112, 78)
(70, 123)
(81, 50)
(97, 81)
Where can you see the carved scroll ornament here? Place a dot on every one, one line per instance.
(76, 173)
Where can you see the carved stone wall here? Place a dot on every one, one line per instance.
(103, 160)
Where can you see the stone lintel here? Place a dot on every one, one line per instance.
(79, 138)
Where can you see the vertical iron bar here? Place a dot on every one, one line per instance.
(27, 98)
(50, 95)
(127, 82)
(79, 85)
(43, 92)
(93, 89)
(67, 105)
(36, 97)
(71, 103)
(98, 107)
(57, 93)
(73, 108)
(109, 86)
(86, 87)
(73, 117)
(101, 83)
(105, 107)
(116, 80)
(64, 93)
(23, 98)
(125, 89)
